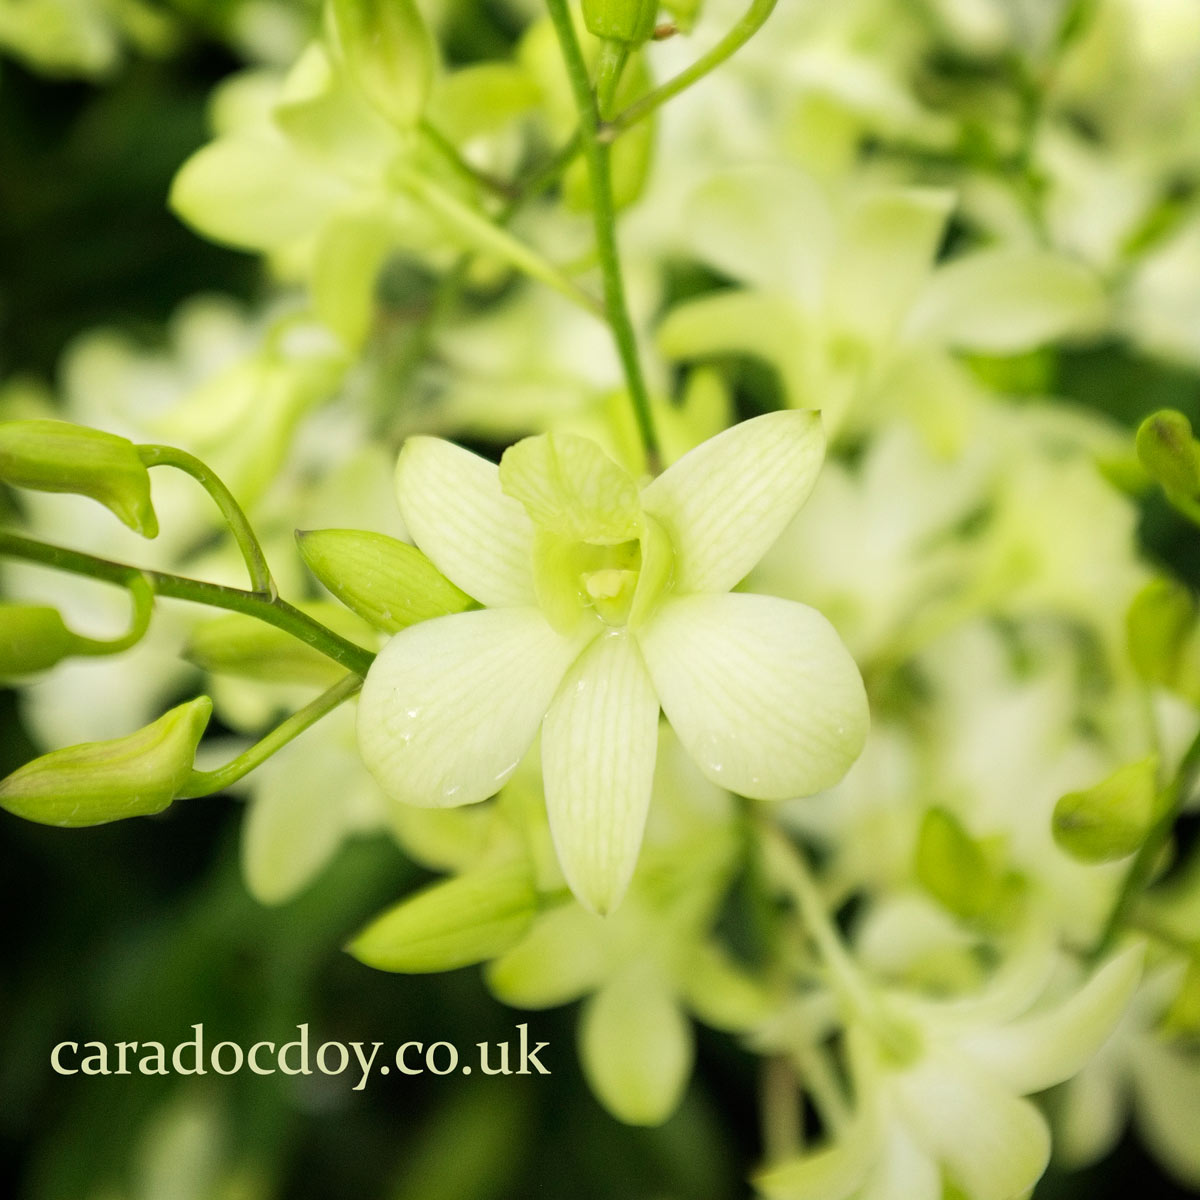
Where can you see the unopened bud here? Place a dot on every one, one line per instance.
(621, 20)
(388, 583)
(97, 782)
(56, 456)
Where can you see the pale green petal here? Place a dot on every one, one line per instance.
(761, 692)
(569, 486)
(889, 244)
(306, 800)
(905, 1172)
(450, 706)
(1041, 1050)
(758, 324)
(993, 1145)
(833, 1172)
(1005, 301)
(1167, 1090)
(560, 959)
(771, 226)
(725, 503)
(478, 537)
(253, 191)
(598, 750)
(1090, 1116)
(636, 1048)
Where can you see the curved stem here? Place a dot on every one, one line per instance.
(598, 156)
(141, 593)
(754, 19)
(272, 611)
(1175, 796)
(256, 561)
(206, 783)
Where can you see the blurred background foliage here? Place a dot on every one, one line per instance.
(140, 929)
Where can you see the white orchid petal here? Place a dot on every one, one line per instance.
(560, 959)
(598, 749)
(1049, 1047)
(451, 705)
(1005, 301)
(725, 503)
(993, 1145)
(761, 692)
(744, 223)
(479, 538)
(904, 1172)
(890, 239)
(636, 1048)
(1166, 1083)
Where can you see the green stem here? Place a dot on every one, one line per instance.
(1174, 797)
(598, 156)
(754, 19)
(256, 561)
(273, 611)
(486, 235)
(206, 783)
(141, 593)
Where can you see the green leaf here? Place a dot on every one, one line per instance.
(1112, 819)
(388, 583)
(387, 49)
(56, 456)
(452, 924)
(960, 872)
(99, 782)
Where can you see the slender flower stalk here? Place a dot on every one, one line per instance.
(207, 783)
(274, 611)
(598, 156)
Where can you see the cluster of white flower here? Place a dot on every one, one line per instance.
(637, 671)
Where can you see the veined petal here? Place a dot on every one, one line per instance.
(479, 538)
(761, 692)
(1044, 1049)
(993, 1145)
(598, 749)
(1005, 301)
(450, 706)
(724, 503)
(636, 1048)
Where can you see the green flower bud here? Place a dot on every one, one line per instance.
(1112, 819)
(466, 920)
(388, 583)
(389, 52)
(246, 647)
(32, 638)
(621, 20)
(1159, 622)
(56, 456)
(962, 873)
(97, 782)
(1170, 453)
